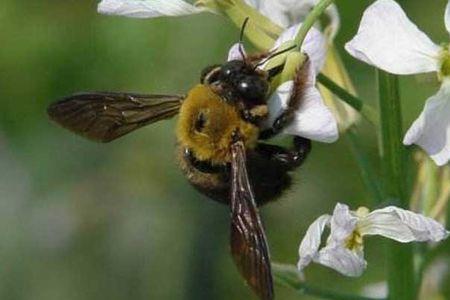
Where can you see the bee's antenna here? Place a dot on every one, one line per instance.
(274, 55)
(241, 38)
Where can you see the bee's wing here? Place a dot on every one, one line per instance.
(248, 240)
(105, 116)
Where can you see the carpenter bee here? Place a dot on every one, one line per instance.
(219, 145)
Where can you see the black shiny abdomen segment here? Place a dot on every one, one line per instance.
(269, 178)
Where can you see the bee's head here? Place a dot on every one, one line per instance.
(248, 82)
(206, 125)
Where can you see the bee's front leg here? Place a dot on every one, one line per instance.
(295, 100)
(289, 158)
(278, 125)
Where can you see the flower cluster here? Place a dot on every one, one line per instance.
(388, 40)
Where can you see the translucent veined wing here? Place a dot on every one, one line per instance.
(248, 240)
(105, 116)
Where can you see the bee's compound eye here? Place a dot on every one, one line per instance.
(200, 122)
(253, 88)
(232, 68)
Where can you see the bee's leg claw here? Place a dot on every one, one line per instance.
(302, 147)
(290, 158)
(281, 122)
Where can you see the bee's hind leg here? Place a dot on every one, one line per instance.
(288, 158)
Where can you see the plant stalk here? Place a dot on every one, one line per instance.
(400, 256)
(447, 217)
(310, 20)
(368, 174)
(289, 276)
(366, 111)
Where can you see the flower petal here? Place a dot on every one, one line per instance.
(447, 17)
(282, 12)
(402, 225)
(335, 20)
(431, 130)
(345, 261)
(377, 290)
(313, 120)
(147, 8)
(388, 40)
(315, 44)
(235, 53)
(289, 12)
(343, 223)
(310, 244)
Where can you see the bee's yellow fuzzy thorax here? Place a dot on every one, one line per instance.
(212, 140)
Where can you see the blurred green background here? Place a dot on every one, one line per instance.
(80, 220)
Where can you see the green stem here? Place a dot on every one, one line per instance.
(288, 275)
(366, 111)
(368, 174)
(431, 188)
(448, 215)
(310, 20)
(400, 256)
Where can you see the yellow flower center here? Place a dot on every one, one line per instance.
(355, 241)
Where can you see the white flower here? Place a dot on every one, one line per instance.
(289, 12)
(282, 12)
(344, 251)
(147, 8)
(313, 119)
(388, 40)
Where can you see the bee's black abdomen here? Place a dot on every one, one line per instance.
(269, 178)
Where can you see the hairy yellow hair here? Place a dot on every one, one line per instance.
(218, 121)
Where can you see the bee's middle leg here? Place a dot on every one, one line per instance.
(289, 158)
(278, 125)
